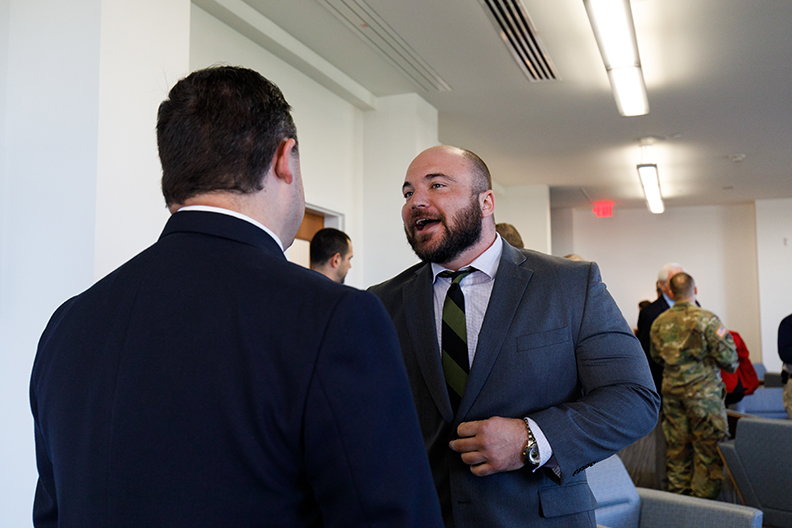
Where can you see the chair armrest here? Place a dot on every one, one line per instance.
(661, 509)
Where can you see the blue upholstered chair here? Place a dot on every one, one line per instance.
(622, 505)
(758, 462)
(766, 402)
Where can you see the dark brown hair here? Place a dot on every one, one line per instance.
(326, 243)
(218, 131)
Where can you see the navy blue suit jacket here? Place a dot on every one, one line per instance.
(208, 382)
(646, 317)
(554, 347)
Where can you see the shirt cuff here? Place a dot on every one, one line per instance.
(545, 451)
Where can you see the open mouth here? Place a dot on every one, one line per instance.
(424, 223)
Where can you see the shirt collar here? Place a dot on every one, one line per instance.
(668, 299)
(235, 214)
(486, 263)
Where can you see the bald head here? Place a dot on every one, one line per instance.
(683, 287)
(481, 180)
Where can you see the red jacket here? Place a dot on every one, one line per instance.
(745, 372)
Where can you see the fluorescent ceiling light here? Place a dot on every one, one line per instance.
(629, 91)
(613, 28)
(651, 186)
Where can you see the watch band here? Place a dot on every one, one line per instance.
(530, 452)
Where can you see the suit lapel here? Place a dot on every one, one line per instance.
(419, 314)
(510, 283)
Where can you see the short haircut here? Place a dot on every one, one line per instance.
(482, 180)
(510, 234)
(326, 243)
(682, 285)
(219, 130)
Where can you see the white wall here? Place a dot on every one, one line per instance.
(50, 123)
(5, 11)
(562, 231)
(134, 78)
(526, 207)
(716, 244)
(78, 116)
(774, 248)
(11, 365)
(400, 128)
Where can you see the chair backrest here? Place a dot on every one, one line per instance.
(766, 402)
(619, 504)
(758, 460)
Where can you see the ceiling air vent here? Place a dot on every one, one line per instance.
(372, 28)
(511, 20)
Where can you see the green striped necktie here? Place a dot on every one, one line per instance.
(456, 365)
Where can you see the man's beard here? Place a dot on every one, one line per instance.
(463, 233)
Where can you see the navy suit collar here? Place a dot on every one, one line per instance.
(224, 226)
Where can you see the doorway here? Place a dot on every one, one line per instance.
(315, 218)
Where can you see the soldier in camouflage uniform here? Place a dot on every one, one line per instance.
(692, 345)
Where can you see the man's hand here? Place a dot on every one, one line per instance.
(491, 446)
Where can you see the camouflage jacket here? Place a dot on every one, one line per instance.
(692, 345)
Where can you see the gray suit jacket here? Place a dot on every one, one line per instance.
(553, 346)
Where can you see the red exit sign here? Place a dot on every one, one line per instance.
(603, 209)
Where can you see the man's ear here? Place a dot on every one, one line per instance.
(335, 260)
(281, 162)
(487, 203)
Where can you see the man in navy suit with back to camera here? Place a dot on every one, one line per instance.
(523, 370)
(208, 382)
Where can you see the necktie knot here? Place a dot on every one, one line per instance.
(456, 276)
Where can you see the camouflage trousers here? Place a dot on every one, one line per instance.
(693, 429)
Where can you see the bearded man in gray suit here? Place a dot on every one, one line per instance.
(553, 379)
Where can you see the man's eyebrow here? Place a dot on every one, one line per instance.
(430, 177)
(438, 175)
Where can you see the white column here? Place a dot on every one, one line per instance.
(526, 207)
(398, 130)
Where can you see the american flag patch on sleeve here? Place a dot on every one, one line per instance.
(721, 331)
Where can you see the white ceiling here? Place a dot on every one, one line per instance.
(717, 72)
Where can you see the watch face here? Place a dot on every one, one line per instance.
(533, 454)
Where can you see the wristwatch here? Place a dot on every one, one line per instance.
(530, 452)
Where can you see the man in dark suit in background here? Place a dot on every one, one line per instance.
(645, 460)
(208, 382)
(647, 316)
(522, 359)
